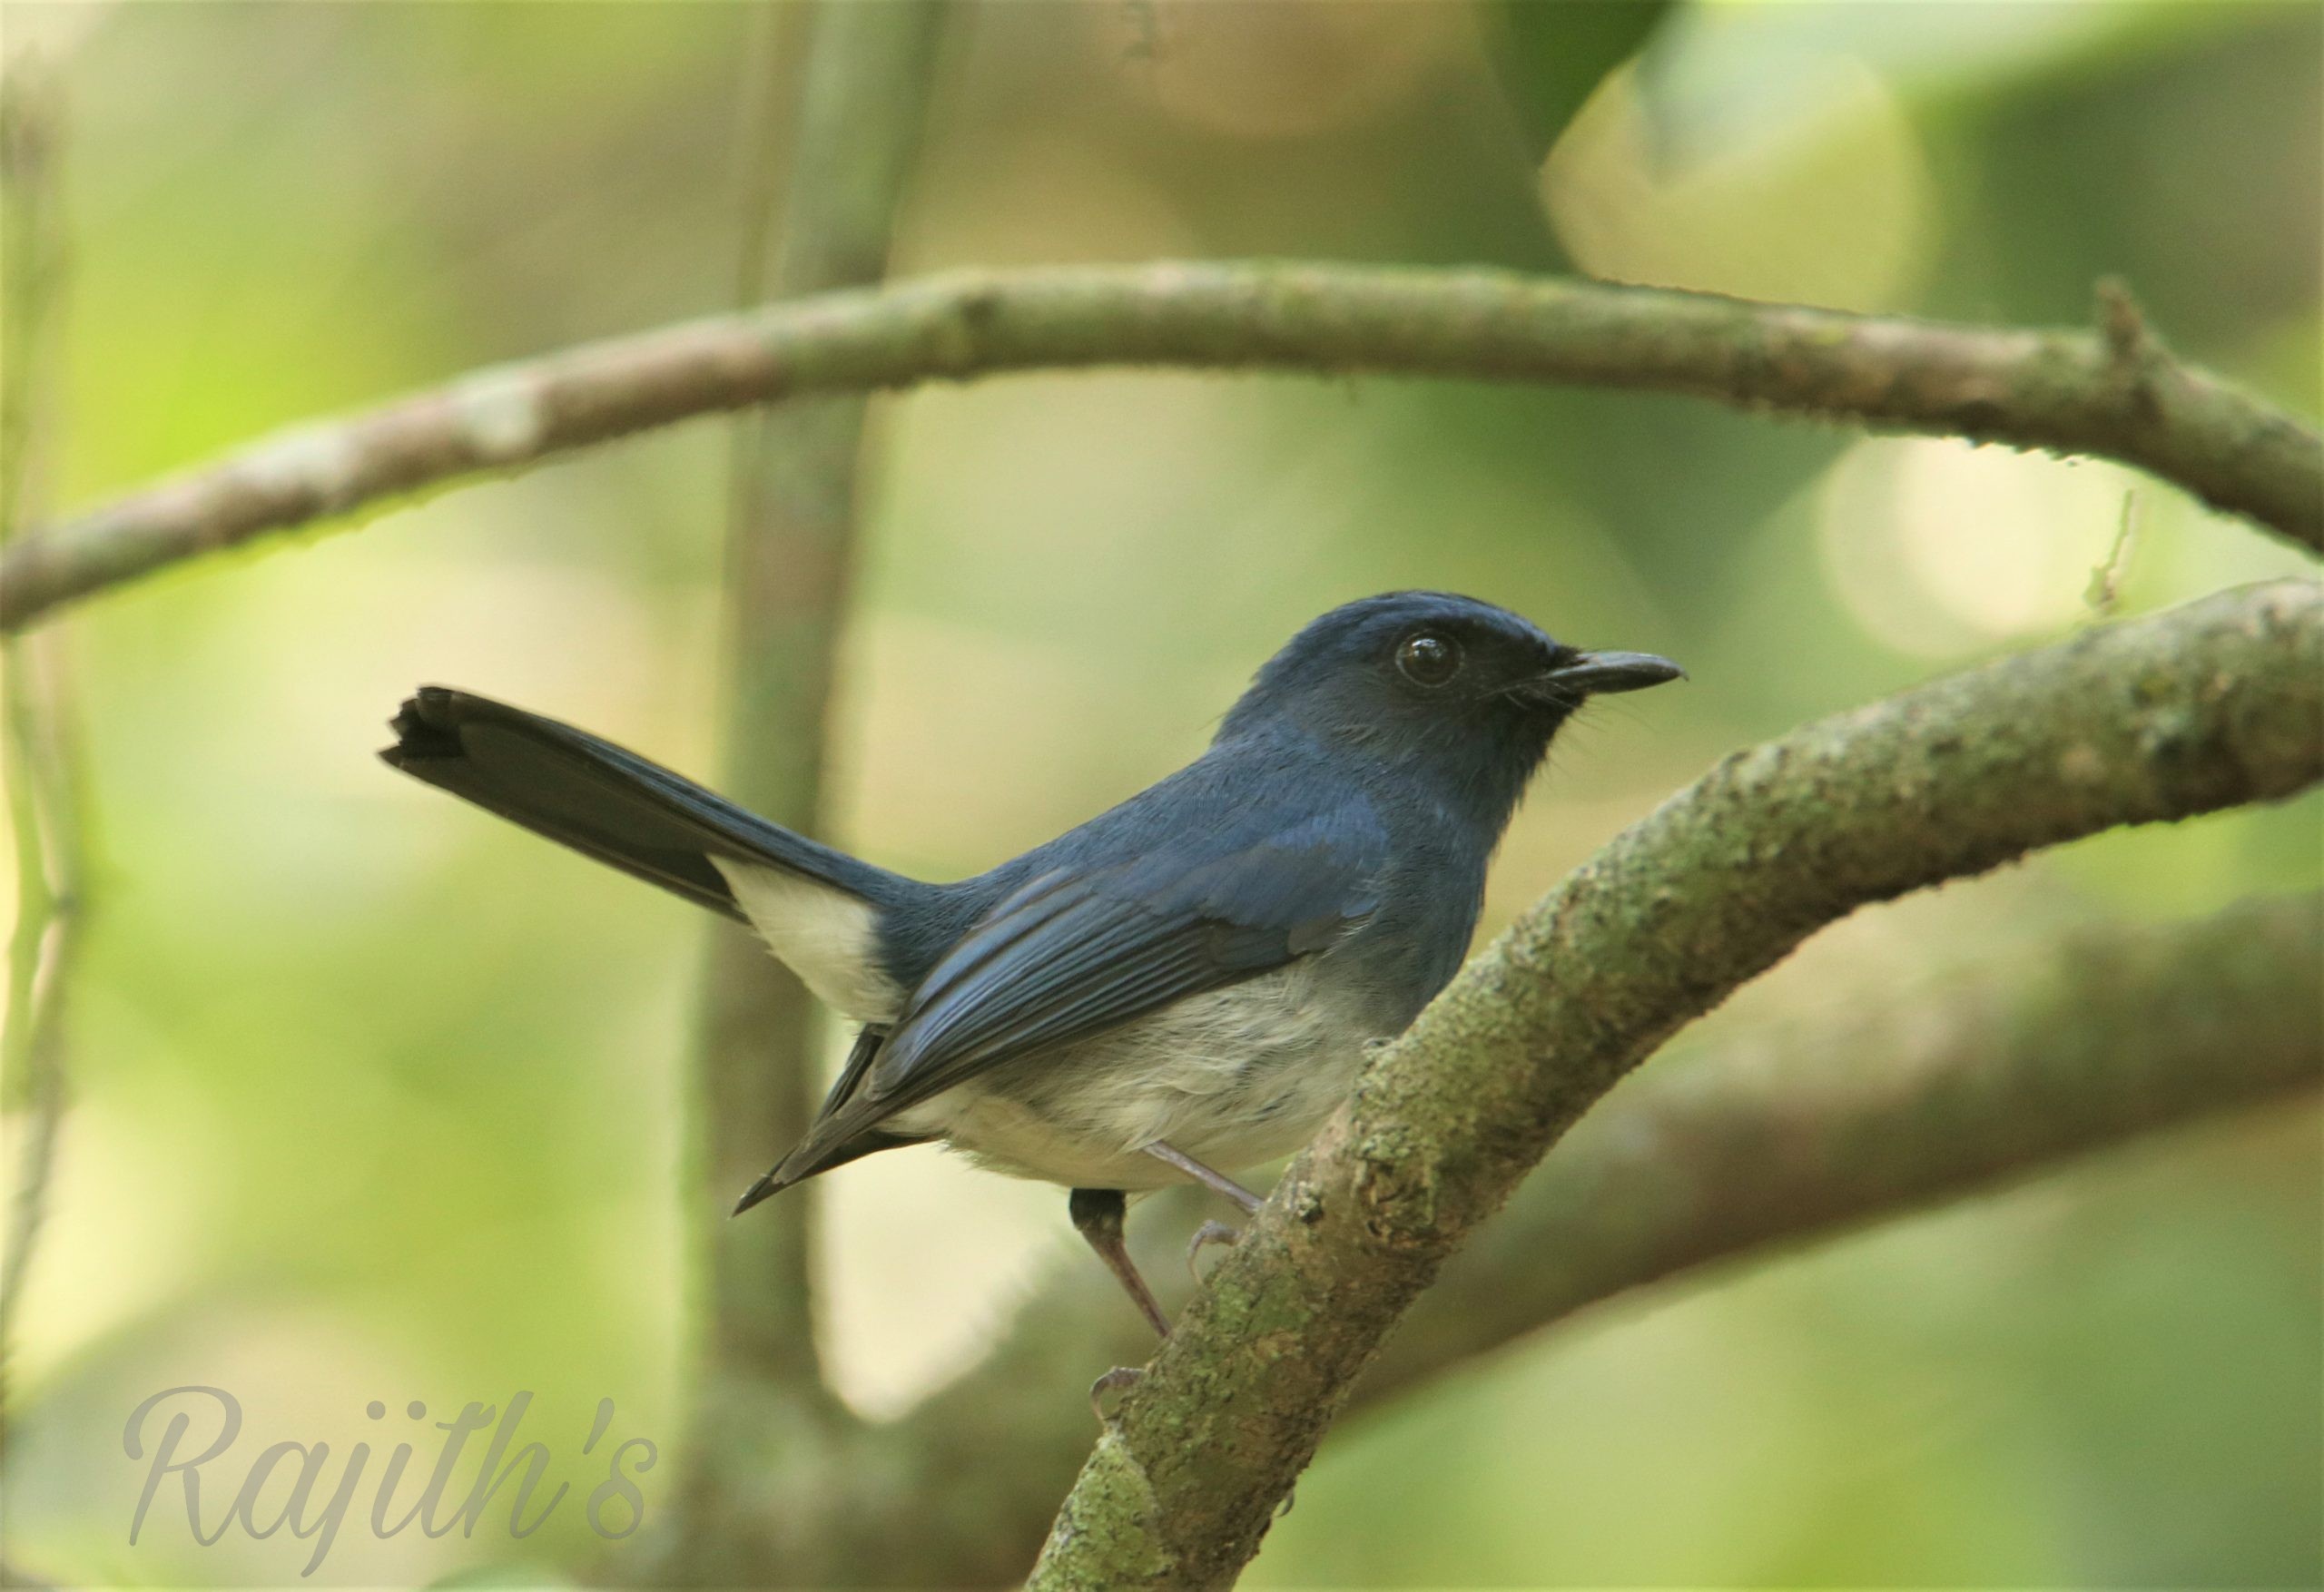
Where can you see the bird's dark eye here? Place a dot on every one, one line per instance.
(1429, 659)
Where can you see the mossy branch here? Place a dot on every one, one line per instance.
(2117, 394)
(2217, 704)
(1813, 1125)
(1779, 1131)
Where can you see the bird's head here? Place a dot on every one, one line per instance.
(1444, 684)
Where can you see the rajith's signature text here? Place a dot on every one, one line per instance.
(312, 1506)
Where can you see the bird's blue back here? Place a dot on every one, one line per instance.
(1416, 862)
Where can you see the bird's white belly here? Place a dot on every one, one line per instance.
(1232, 1078)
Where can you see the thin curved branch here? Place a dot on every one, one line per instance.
(2214, 705)
(2117, 395)
(1776, 1132)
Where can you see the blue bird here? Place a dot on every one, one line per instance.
(1180, 988)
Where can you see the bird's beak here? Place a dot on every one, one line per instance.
(1603, 673)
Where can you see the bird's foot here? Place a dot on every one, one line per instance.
(1208, 1233)
(1119, 1380)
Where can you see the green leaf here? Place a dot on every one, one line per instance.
(1552, 54)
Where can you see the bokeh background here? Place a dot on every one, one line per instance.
(378, 1098)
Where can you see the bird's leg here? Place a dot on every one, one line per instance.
(1097, 1218)
(1209, 1233)
(1218, 1181)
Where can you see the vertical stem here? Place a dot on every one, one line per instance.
(38, 761)
(767, 1419)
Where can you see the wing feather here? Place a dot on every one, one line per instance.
(1071, 954)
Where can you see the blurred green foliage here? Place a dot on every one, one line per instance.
(377, 1098)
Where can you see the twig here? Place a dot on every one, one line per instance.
(39, 759)
(852, 128)
(2131, 345)
(2059, 390)
(2103, 596)
(2217, 704)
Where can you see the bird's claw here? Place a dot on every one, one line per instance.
(1208, 1233)
(1121, 1378)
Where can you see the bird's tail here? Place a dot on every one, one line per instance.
(608, 803)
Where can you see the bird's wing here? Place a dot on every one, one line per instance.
(1073, 953)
